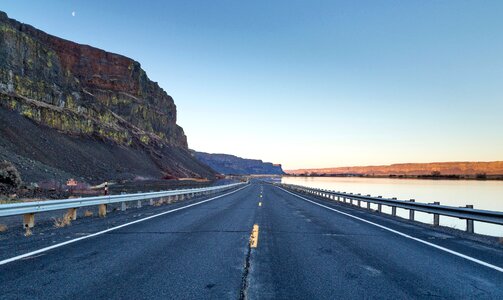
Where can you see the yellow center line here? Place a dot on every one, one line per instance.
(254, 237)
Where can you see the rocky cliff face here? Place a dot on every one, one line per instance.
(84, 91)
(233, 165)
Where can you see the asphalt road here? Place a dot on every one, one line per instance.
(304, 251)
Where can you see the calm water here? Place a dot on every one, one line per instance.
(482, 194)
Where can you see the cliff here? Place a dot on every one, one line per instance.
(445, 168)
(233, 165)
(91, 96)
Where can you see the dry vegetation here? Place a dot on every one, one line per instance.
(62, 222)
(3, 228)
(28, 232)
(88, 213)
(159, 202)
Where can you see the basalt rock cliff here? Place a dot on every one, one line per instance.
(233, 165)
(74, 110)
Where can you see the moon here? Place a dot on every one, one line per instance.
(73, 13)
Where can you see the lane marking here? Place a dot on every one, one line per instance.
(480, 262)
(23, 256)
(254, 237)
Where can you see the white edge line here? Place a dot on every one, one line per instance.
(8, 260)
(480, 262)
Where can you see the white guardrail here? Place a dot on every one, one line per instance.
(28, 209)
(468, 213)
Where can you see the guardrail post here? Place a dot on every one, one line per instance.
(28, 220)
(368, 205)
(72, 214)
(102, 210)
(411, 211)
(393, 211)
(151, 201)
(436, 217)
(138, 205)
(359, 203)
(123, 204)
(469, 223)
(379, 207)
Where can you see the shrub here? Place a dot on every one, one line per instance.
(9, 175)
(481, 176)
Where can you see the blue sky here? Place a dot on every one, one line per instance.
(310, 83)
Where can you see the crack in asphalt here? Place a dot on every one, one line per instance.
(244, 279)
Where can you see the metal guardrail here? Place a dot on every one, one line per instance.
(28, 209)
(468, 213)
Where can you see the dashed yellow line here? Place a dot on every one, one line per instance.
(254, 237)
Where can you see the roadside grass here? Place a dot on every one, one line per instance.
(160, 202)
(61, 222)
(28, 232)
(8, 201)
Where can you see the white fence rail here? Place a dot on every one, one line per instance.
(468, 213)
(28, 209)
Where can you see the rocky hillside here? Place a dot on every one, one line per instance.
(85, 112)
(446, 168)
(233, 165)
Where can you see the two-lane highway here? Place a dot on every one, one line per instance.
(303, 251)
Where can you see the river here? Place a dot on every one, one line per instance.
(481, 194)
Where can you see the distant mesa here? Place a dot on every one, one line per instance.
(232, 165)
(436, 169)
(74, 111)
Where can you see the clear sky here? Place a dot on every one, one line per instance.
(310, 83)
